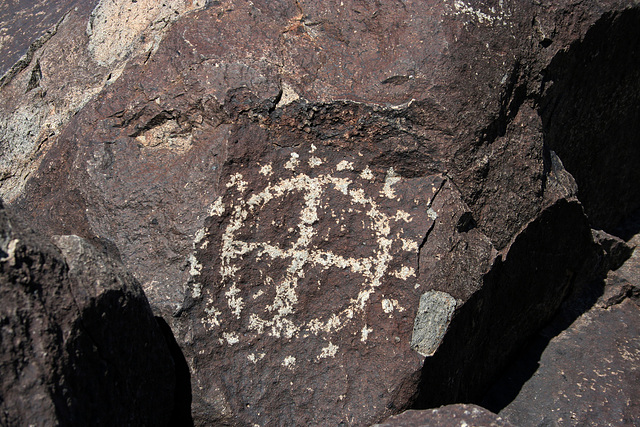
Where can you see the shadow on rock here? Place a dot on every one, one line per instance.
(182, 407)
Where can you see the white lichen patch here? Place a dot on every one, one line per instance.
(211, 319)
(389, 305)
(197, 238)
(289, 362)
(315, 161)
(390, 180)
(216, 208)
(403, 216)
(255, 358)
(404, 273)
(269, 305)
(328, 351)
(231, 337)
(344, 165)
(490, 16)
(293, 161)
(196, 290)
(266, 170)
(236, 180)
(367, 174)
(409, 245)
(194, 266)
(432, 214)
(364, 333)
(235, 302)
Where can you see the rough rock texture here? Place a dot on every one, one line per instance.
(317, 195)
(582, 369)
(587, 375)
(71, 51)
(458, 415)
(70, 352)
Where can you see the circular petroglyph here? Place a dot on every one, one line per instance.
(344, 225)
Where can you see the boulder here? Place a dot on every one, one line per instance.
(587, 375)
(341, 209)
(582, 368)
(80, 345)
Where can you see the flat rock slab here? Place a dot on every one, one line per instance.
(459, 415)
(305, 287)
(588, 375)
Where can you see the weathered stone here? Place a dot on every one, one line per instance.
(625, 281)
(587, 375)
(446, 416)
(71, 51)
(80, 345)
(288, 179)
(432, 321)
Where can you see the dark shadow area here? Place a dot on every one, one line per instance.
(629, 227)
(590, 110)
(526, 362)
(591, 118)
(518, 296)
(182, 407)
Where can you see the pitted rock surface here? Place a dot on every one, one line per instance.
(458, 415)
(267, 169)
(291, 229)
(588, 374)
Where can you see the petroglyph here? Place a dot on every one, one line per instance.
(293, 248)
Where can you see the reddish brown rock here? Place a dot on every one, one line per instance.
(316, 196)
(70, 352)
(447, 416)
(587, 375)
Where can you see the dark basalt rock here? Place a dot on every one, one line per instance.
(80, 345)
(587, 375)
(447, 416)
(318, 196)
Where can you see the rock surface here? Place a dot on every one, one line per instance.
(458, 415)
(587, 375)
(70, 354)
(318, 195)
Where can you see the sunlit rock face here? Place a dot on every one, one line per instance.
(316, 196)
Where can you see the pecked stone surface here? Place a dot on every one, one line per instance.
(70, 355)
(290, 180)
(587, 375)
(458, 415)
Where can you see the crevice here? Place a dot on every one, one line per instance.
(26, 59)
(431, 227)
(590, 111)
(591, 119)
(36, 76)
(511, 101)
